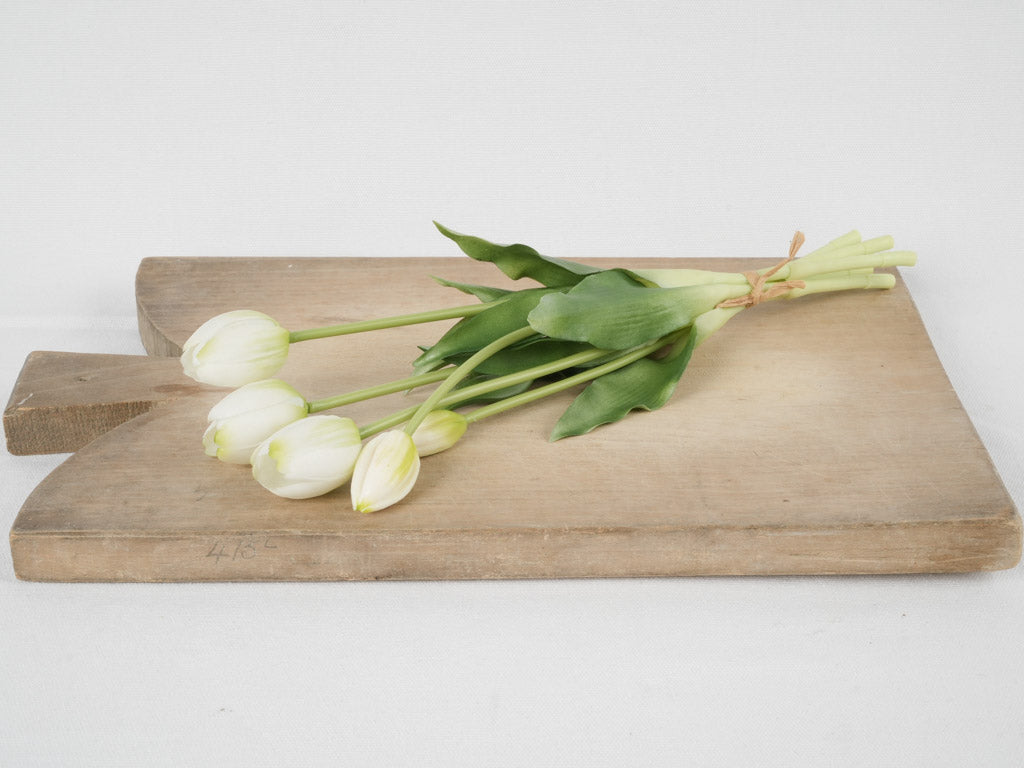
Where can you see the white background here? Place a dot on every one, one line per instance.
(134, 129)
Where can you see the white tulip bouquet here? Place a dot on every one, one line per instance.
(624, 336)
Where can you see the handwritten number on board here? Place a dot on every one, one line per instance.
(238, 549)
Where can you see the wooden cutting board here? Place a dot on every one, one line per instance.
(819, 436)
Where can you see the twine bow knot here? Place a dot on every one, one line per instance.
(759, 289)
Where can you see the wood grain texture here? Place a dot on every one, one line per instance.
(301, 292)
(63, 400)
(817, 436)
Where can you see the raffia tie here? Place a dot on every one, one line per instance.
(758, 282)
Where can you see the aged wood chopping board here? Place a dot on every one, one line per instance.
(817, 436)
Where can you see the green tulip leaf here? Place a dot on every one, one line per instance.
(477, 331)
(645, 384)
(490, 397)
(483, 292)
(611, 310)
(520, 260)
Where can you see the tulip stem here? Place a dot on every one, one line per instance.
(389, 322)
(837, 281)
(529, 374)
(359, 395)
(489, 385)
(843, 282)
(463, 370)
(817, 285)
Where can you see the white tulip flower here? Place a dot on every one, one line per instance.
(235, 348)
(439, 431)
(308, 458)
(248, 416)
(385, 472)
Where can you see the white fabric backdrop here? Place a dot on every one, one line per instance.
(134, 129)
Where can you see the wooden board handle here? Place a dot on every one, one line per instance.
(63, 400)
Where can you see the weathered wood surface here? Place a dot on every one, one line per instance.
(809, 437)
(64, 400)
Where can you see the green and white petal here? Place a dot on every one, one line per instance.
(248, 416)
(439, 431)
(235, 348)
(210, 441)
(307, 458)
(255, 397)
(385, 472)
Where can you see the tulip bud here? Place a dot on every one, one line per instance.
(385, 472)
(248, 416)
(439, 431)
(235, 348)
(307, 458)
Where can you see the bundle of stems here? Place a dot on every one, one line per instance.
(624, 335)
